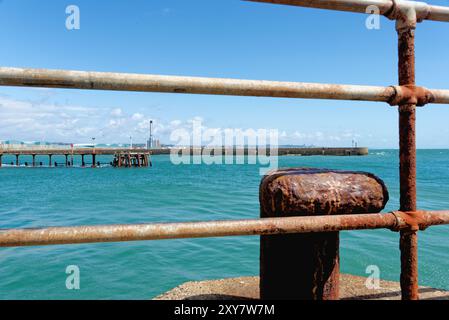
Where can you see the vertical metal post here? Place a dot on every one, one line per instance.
(150, 143)
(93, 161)
(66, 160)
(49, 160)
(1, 160)
(82, 161)
(17, 160)
(34, 160)
(407, 157)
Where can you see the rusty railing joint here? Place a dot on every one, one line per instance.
(408, 13)
(411, 95)
(409, 221)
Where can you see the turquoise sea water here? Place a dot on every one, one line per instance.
(171, 193)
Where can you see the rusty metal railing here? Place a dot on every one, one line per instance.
(392, 9)
(69, 79)
(406, 95)
(395, 221)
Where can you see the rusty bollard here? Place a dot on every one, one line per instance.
(307, 266)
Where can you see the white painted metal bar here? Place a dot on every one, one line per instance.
(196, 85)
(386, 7)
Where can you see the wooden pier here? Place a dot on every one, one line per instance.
(122, 157)
(131, 159)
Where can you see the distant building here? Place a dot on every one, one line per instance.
(153, 143)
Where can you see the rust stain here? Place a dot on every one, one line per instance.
(410, 94)
(305, 191)
(408, 242)
(412, 221)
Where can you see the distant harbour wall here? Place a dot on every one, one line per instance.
(362, 151)
(324, 151)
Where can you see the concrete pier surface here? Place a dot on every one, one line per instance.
(247, 288)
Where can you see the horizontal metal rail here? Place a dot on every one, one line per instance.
(266, 226)
(423, 10)
(197, 85)
(440, 96)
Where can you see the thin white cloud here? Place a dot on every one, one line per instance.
(137, 116)
(117, 112)
(31, 121)
(37, 120)
(320, 138)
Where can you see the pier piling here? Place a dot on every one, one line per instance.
(306, 266)
(131, 159)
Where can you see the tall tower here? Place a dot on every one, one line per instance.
(150, 141)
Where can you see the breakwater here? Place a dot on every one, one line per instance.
(362, 151)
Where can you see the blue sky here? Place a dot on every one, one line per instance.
(220, 38)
